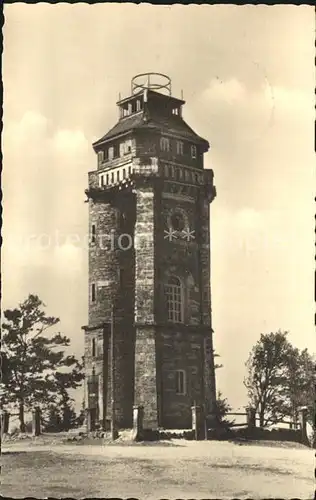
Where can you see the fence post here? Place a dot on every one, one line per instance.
(138, 422)
(303, 421)
(198, 422)
(5, 419)
(91, 419)
(251, 418)
(36, 421)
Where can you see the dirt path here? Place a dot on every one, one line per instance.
(183, 470)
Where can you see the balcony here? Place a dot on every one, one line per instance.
(116, 162)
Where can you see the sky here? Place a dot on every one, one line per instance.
(247, 75)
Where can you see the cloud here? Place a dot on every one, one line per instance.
(230, 91)
(267, 102)
(71, 142)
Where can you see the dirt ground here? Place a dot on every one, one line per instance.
(175, 469)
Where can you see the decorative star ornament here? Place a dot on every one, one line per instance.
(170, 234)
(188, 235)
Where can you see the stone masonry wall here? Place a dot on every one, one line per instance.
(182, 351)
(112, 271)
(145, 346)
(209, 374)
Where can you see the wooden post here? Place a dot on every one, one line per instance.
(251, 418)
(91, 419)
(5, 419)
(138, 422)
(303, 426)
(114, 433)
(198, 424)
(36, 421)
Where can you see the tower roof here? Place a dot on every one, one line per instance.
(152, 117)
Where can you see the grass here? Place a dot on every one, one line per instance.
(188, 469)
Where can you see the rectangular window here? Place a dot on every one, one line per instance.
(107, 179)
(164, 144)
(111, 153)
(118, 176)
(181, 382)
(122, 148)
(100, 156)
(93, 348)
(129, 170)
(93, 292)
(179, 148)
(193, 151)
(112, 177)
(102, 180)
(93, 233)
(138, 105)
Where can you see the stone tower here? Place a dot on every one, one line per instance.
(149, 262)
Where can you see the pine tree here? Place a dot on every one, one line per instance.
(36, 363)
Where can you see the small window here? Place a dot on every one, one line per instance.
(193, 151)
(102, 180)
(124, 173)
(93, 294)
(107, 179)
(164, 144)
(118, 176)
(93, 233)
(177, 221)
(111, 153)
(179, 148)
(175, 111)
(112, 177)
(100, 156)
(129, 170)
(138, 105)
(181, 383)
(122, 148)
(93, 348)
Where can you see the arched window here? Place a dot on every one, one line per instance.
(174, 295)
